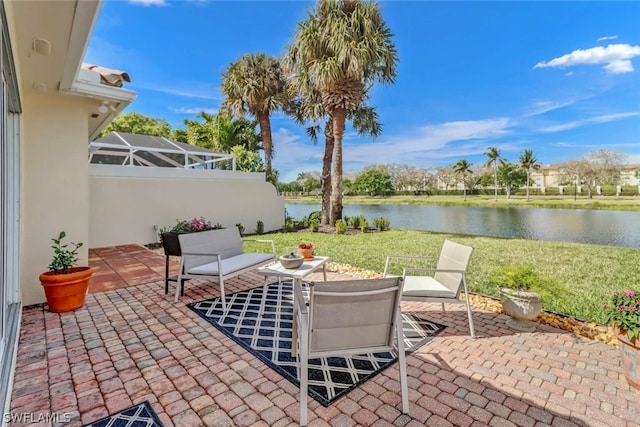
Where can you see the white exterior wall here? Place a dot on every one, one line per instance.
(126, 202)
(55, 189)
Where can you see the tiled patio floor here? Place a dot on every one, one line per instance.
(132, 344)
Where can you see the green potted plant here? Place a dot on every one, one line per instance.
(522, 289)
(623, 314)
(65, 284)
(169, 238)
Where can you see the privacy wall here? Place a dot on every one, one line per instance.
(125, 203)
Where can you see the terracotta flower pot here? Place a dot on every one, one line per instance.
(630, 351)
(306, 253)
(66, 292)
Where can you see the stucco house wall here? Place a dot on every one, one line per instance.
(126, 202)
(55, 191)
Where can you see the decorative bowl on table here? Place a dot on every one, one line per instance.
(291, 260)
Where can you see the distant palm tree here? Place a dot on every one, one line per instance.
(493, 156)
(463, 168)
(342, 48)
(255, 84)
(528, 163)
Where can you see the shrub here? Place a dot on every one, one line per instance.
(346, 220)
(315, 225)
(357, 220)
(364, 225)
(382, 223)
(63, 258)
(289, 226)
(195, 224)
(522, 277)
(341, 226)
(240, 228)
(624, 312)
(259, 227)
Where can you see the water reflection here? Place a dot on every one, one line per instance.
(615, 228)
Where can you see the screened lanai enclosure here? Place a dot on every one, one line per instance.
(127, 149)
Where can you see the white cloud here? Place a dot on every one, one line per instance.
(544, 106)
(597, 119)
(149, 2)
(569, 73)
(188, 90)
(193, 110)
(601, 39)
(431, 143)
(427, 145)
(617, 58)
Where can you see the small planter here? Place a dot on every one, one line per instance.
(630, 351)
(170, 243)
(523, 307)
(66, 292)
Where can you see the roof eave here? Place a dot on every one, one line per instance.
(84, 21)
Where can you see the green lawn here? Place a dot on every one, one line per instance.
(590, 272)
(582, 202)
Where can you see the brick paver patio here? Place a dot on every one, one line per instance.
(131, 343)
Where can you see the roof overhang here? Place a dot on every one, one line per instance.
(50, 40)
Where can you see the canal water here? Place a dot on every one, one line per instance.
(601, 227)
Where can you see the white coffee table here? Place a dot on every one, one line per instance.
(295, 274)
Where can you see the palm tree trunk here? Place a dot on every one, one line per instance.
(325, 180)
(495, 182)
(464, 191)
(267, 142)
(527, 186)
(339, 118)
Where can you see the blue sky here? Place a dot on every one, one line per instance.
(561, 78)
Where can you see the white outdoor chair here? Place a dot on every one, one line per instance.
(347, 318)
(449, 278)
(218, 255)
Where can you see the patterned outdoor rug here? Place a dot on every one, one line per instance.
(140, 415)
(261, 319)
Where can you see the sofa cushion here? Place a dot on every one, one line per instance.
(421, 286)
(232, 264)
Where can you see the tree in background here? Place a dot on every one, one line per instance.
(529, 164)
(374, 182)
(139, 124)
(255, 84)
(462, 169)
(221, 132)
(511, 177)
(342, 47)
(247, 161)
(446, 175)
(493, 156)
(596, 167)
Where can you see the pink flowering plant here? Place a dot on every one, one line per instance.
(192, 225)
(624, 312)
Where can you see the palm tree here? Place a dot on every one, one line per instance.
(493, 156)
(463, 168)
(342, 48)
(528, 163)
(255, 84)
(309, 107)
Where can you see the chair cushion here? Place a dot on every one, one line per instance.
(232, 264)
(425, 286)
